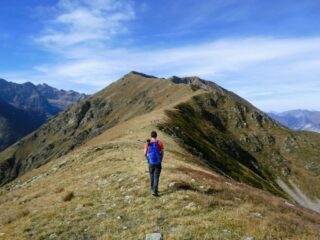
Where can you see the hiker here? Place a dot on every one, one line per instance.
(154, 153)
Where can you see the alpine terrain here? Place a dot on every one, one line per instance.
(229, 170)
(25, 107)
(302, 120)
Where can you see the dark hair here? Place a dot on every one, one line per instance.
(153, 134)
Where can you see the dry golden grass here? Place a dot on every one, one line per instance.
(109, 182)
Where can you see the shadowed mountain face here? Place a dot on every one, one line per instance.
(16, 123)
(301, 120)
(40, 98)
(223, 131)
(26, 96)
(25, 107)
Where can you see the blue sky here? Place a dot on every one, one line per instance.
(266, 51)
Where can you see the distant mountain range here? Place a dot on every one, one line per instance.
(25, 107)
(299, 119)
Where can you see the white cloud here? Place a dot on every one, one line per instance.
(82, 22)
(275, 74)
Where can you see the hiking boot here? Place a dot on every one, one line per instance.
(155, 194)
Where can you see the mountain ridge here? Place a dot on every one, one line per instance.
(100, 188)
(244, 135)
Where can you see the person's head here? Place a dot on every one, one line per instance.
(154, 134)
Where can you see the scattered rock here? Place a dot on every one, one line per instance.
(68, 196)
(127, 198)
(289, 204)
(250, 238)
(191, 206)
(285, 171)
(119, 217)
(53, 236)
(101, 214)
(154, 236)
(2, 234)
(79, 207)
(226, 230)
(104, 183)
(256, 214)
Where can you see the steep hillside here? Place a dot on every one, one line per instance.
(16, 123)
(101, 191)
(299, 119)
(129, 97)
(232, 136)
(218, 131)
(239, 141)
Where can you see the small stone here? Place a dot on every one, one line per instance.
(100, 214)
(104, 183)
(2, 234)
(127, 198)
(53, 236)
(124, 227)
(226, 230)
(119, 217)
(191, 206)
(193, 181)
(79, 207)
(288, 204)
(256, 214)
(250, 238)
(154, 236)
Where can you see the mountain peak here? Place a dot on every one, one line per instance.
(135, 73)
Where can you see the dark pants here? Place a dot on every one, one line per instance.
(154, 171)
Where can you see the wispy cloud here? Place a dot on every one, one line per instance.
(273, 73)
(85, 22)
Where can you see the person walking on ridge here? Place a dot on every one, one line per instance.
(154, 152)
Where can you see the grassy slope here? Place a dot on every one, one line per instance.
(108, 177)
(131, 96)
(238, 140)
